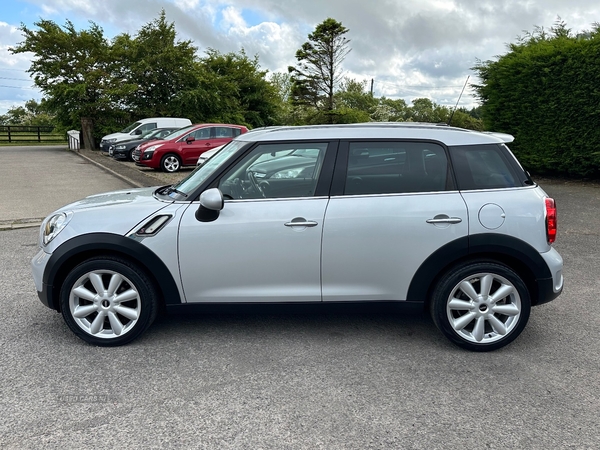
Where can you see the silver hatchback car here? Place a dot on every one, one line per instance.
(420, 214)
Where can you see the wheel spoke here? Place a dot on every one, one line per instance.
(97, 323)
(84, 293)
(463, 321)
(469, 290)
(130, 313)
(507, 310)
(486, 285)
(126, 296)
(84, 311)
(497, 325)
(502, 292)
(115, 323)
(460, 305)
(479, 329)
(96, 281)
(115, 282)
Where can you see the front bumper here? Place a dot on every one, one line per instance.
(38, 267)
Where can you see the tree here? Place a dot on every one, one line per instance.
(230, 88)
(156, 67)
(71, 68)
(318, 73)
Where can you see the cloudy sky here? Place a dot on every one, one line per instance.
(410, 48)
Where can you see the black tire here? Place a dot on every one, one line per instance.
(102, 318)
(483, 323)
(170, 163)
(130, 155)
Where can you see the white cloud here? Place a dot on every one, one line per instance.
(401, 45)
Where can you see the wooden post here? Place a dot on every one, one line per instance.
(8, 128)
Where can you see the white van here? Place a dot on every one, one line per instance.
(141, 126)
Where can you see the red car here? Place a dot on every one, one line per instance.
(184, 146)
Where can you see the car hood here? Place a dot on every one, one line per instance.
(112, 212)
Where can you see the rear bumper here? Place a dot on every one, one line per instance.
(550, 288)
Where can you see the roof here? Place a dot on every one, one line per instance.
(450, 136)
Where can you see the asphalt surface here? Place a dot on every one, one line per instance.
(331, 380)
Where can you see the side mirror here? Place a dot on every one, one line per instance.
(211, 202)
(137, 132)
(189, 139)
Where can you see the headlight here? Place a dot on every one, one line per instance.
(152, 148)
(54, 225)
(111, 140)
(120, 147)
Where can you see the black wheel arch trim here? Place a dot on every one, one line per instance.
(517, 254)
(80, 248)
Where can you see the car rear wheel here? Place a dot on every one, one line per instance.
(170, 163)
(108, 301)
(481, 306)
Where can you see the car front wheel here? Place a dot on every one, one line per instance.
(481, 306)
(170, 163)
(108, 301)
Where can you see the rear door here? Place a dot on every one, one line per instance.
(393, 204)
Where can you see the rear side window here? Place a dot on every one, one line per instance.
(484, 167)
(395, 168)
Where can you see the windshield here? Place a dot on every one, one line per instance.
(181, 132)
(133, 126)
(201, 173)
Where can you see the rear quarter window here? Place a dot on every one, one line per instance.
(485, 167)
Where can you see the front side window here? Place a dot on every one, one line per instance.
(147, 127)
(202, 133)
(395, 168)
(275, 171)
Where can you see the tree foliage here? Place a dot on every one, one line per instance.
(70, 68)
(318, 71)
(83, 75)
(31, 114)
(545, 91)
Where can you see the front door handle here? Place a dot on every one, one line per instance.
(301, 222)
(442, 218)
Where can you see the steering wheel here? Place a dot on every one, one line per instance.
(256, 185)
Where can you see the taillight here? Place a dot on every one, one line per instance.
(550, 220)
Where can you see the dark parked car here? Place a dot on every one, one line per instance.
(124, 149)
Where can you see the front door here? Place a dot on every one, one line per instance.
(265, 245)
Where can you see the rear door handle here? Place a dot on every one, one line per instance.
(442, 218)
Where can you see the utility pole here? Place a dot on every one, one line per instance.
(372, 87)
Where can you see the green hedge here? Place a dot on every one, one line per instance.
(546, 92)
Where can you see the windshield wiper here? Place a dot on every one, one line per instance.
(171, 189)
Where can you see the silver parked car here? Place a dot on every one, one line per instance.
(421, 214)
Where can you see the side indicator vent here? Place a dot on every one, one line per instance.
(153, 226)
